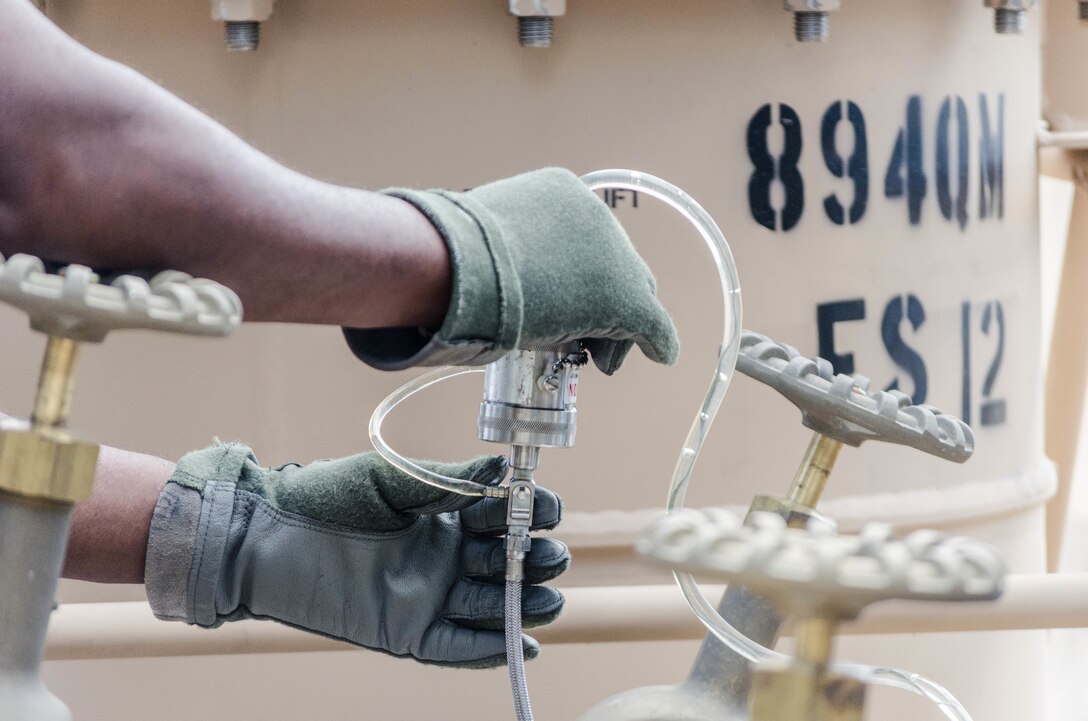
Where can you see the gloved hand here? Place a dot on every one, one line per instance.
(536, 260)
(351, 549)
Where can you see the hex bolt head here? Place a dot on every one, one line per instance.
(242, 36)
(811, 26)
(535, 31)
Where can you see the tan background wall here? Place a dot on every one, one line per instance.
(379, 92)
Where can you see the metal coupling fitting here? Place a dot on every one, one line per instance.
(530, 398)
(45, 463)
(519, 506)
(517, 548)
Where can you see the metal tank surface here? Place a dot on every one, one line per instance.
(879, 193)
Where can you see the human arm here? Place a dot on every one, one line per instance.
(348, 548)
(99, 165)
(108, 538)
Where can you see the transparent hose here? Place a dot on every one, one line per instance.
(515, 651)
(685, 463)
(454, 485)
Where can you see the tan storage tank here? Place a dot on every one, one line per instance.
(879, 194)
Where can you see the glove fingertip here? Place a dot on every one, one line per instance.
(540, 605)
(547, 560)
(530, 646)
(665, 353)
(668, 347)
(608, 355)
(547, 510)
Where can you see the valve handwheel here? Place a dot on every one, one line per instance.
(44, 469)
(73, 304)
(821, 579)
(843, 408)
(814, 571)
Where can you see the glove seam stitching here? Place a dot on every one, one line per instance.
(295, 520)
(506, 327)
(202, 543)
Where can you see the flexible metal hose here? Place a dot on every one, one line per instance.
(515, 652)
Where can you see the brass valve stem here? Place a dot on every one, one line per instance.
(814, 637)
(44, 461)
(54, 399)
(808, 484)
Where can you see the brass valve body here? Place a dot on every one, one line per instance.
(45, 463)
(806, 692)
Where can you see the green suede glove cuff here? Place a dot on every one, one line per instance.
(537, 260)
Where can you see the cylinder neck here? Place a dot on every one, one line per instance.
(35, 537)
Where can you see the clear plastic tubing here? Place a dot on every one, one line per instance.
(685, 463)
(404, 465)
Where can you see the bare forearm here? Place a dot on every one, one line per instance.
(98, 165)
(108, 540)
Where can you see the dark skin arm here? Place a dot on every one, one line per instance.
(108, 540)
(98, 165)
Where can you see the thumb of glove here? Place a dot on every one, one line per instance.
(364, 492)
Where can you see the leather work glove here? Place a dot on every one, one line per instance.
(536, 260)
(352, 549)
